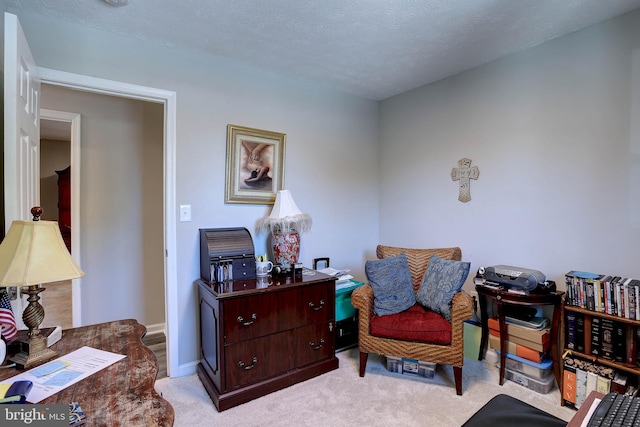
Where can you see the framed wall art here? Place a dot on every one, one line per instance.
(255, 165)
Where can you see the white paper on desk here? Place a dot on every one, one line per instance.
(333, 272)
(80, 364)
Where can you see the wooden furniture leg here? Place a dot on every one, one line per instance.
(457, 373)
(363, 362)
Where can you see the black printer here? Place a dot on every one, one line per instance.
(518, 278)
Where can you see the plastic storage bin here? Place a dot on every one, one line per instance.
(411, 367)
(543, 385)
(527, 367)
(344, 309)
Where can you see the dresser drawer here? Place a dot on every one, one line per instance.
(244, 268)
(250, 317)
(259, 315)
(255, 360)
(314, 304)
(314, 342)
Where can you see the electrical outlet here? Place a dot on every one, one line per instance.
(185, 213)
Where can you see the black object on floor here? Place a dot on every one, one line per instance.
(506, 411)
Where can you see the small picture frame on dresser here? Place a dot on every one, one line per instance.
(255, 165)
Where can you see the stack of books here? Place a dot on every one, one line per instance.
(608, 338)
(615, 295)
(522, 341)
(581, 377)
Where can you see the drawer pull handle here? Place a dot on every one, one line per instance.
(313, 306)
(247, 367)
(316, 347)
(243, 323)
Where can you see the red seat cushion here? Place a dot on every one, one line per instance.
(415, 324)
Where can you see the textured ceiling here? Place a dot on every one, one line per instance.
(372, 48)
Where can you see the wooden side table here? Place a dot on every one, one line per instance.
(502, 296)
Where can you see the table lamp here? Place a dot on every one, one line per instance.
(284, 222)
(33, 253)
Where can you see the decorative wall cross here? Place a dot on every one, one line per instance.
(463, 173)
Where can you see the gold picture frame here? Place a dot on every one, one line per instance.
(255, 165)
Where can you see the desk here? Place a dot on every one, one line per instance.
(122, 393)
(502, 296)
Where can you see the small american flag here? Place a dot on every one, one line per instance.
(7, 321)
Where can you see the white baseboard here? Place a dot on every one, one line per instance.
(158, 328)
(187, 369)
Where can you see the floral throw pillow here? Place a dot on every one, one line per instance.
(442, 280)
(390, 279)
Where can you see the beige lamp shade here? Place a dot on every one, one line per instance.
(33, 253)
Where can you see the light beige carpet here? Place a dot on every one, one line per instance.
(342, 398)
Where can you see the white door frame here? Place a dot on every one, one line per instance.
(168, 99)
(74, 120)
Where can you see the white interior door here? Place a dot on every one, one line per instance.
(21, 132)
(21, 124)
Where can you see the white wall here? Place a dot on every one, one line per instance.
(331, 151)
(549, 129)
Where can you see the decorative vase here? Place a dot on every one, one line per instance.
(286, 248)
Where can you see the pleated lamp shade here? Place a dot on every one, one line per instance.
(285, 215)
(33, 253)
(284, 206)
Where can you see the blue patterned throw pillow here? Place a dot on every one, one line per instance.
(442, 280)
(390, 279)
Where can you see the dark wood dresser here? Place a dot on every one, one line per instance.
(261, 335)
(64, 205)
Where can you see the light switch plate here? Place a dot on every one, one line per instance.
(185, 213)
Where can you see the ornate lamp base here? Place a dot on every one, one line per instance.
(286, 248)
(34, 352)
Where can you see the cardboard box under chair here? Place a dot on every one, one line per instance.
(411, 367)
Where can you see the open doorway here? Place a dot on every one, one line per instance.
(55, 201)
(165, 211)
(19, 200)
(121, 203)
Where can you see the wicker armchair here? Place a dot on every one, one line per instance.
(462, 309)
